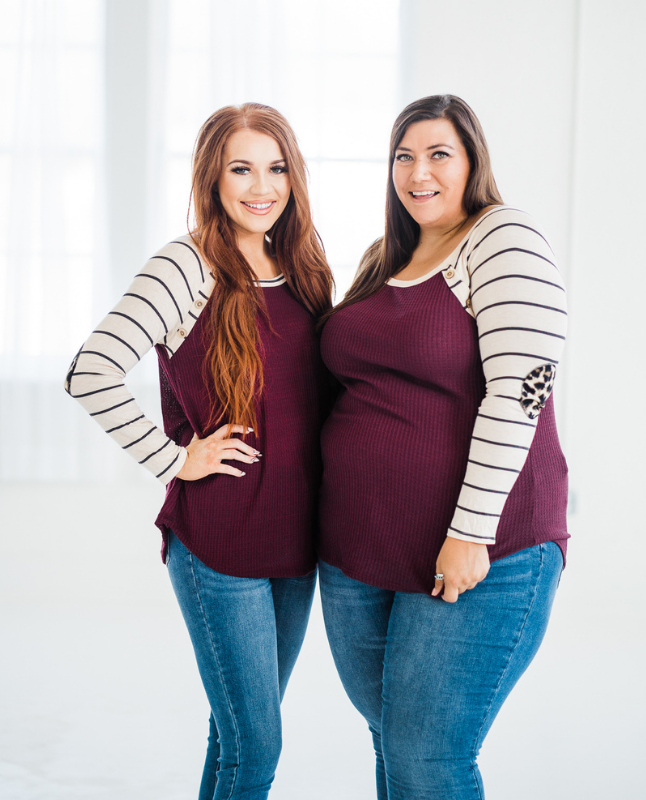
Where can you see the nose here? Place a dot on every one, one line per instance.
(261, 184)
(421, 171)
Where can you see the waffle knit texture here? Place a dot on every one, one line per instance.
(260, 525)
(429, 436)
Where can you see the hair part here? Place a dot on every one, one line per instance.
(233, 369)
(386, 256)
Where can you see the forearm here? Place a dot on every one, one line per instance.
(152, 306)
(97, 383)
(518, 299)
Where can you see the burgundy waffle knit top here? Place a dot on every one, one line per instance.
(396, 444)
(260, 525)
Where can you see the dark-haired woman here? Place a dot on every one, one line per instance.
(444, 491)
(231, 310)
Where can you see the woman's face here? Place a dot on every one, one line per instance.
(430, 173)
(254, 186)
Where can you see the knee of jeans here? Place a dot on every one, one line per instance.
(407, 750)
(433, 778)
(402, 749)
(415, 765)
(259, 750)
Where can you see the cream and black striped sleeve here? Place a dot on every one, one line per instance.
(518, 300)
(156, 303)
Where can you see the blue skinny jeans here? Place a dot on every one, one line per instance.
(246, 634)
(429, 677)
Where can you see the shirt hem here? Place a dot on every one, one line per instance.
(560, 541)
(165, 526)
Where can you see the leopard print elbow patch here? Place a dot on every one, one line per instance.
(70, 373)
(536, 389)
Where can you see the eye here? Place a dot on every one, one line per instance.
(278, 170)
(240, 170)
(403, 157)
(439, 155)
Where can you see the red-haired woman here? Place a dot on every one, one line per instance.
(437, 588)
(231, 310)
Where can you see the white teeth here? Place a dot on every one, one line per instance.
(423, 194)
(261, 206)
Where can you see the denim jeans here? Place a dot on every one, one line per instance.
(429, 676)
(246, 633)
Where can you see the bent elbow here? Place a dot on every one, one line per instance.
(70, 374)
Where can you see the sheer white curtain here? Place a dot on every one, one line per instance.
(330, 66)
(51, 226)
(89, 180)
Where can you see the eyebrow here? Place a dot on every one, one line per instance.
(250, 163)
(430, 147)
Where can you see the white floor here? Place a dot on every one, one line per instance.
(100, 698)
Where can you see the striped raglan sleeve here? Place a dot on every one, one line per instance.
(155, 305)
(518, 299)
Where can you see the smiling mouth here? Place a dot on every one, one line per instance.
(259, 207)
(423, 194)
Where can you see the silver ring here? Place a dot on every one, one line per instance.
(439, 576)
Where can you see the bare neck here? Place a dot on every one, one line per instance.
(435, 245)
(435, 241)
(255, 249)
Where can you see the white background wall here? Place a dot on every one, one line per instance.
(100, 697)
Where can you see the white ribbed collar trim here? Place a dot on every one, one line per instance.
(277, 281)
(422, 278)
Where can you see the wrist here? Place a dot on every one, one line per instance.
(464, 537)
(179, 465)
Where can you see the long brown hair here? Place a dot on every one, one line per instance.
(385, 257)
(233, 364)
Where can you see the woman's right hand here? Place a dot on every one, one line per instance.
(205, 456)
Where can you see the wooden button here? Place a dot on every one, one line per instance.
(450, 273)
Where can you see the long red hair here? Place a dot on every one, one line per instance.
(233, 365)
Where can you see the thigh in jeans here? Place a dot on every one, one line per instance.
(356, 621)
(232, 626)
(292, 605)
(449, 667)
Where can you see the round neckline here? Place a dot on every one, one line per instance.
(427, 276)
(267, 282)
(447, 263)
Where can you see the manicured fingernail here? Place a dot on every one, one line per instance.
(241, 474)
(253, 460)
(256, 453)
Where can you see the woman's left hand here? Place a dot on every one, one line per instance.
(463, 564)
